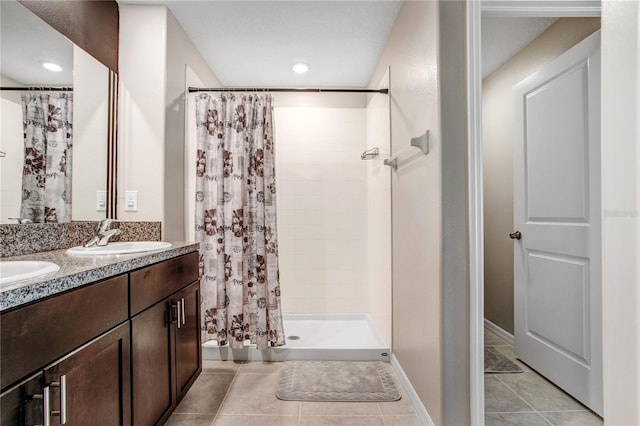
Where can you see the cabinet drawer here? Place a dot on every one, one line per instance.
(38, 334)
(153, 283)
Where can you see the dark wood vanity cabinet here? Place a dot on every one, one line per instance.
(22, 404)
(119, 352)
(165, 330)
(36, 335)
(91, 385)
(79, 353)
(151, 357)
(188, 339)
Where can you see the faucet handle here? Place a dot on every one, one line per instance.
(102, 233)
(103, 225)
(104, 237)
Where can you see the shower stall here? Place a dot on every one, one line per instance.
(334, 226)
(315, 337)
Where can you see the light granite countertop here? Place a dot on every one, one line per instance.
(77, 271)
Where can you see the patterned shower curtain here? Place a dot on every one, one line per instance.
(46, 176)
(236, 220)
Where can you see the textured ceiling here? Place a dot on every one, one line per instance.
(504, 37)
(255, 43)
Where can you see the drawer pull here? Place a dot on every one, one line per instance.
(63, 399)
(178, 305)
(178, 316)
(46, 403)
(179, 313)
(62, 384)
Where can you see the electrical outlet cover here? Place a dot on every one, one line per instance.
(131, 201)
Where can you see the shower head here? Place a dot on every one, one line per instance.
(370, 154)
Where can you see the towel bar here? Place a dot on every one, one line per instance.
(421, 142)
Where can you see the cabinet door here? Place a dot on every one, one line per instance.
(38, 334)
(188, 347)
(151, 360)
(22, 405)
(96, 378)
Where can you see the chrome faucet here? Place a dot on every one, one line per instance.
(102, 234)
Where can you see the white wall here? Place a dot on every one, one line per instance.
(455, 213)
(322, 202)
(497, 119)
(191, 150)
(90, 107)
(154, 56)
(412, 53)
(181, 54)
(621, 210)
(379, 211)
(425, 53)
(141, 114)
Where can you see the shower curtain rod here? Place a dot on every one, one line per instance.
(284, 89)
(38, 88)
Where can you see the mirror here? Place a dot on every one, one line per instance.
(26, 43)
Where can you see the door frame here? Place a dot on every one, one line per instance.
(474, 12)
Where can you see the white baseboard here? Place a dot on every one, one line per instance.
(500, 332)
(421, 411)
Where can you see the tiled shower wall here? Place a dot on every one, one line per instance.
(322, 203)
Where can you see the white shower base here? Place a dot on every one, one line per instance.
(314, 337)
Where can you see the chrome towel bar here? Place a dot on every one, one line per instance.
(421, 142)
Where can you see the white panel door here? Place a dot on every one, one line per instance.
(557, 211)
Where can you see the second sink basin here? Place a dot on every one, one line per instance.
(119, 248)
(14, 271)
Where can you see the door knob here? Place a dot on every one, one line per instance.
(515, 235)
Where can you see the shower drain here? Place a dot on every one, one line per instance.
(293, 337)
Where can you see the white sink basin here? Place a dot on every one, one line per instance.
(14, 271)
(119, 248)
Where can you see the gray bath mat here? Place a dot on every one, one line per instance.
(336, 381)
(495, 362)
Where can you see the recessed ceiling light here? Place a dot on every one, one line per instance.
(51, 66)
(300, 68)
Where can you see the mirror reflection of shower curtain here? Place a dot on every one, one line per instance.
(48, 141)
(235, 220)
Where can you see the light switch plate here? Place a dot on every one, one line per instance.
(131, 201)
(101, 201)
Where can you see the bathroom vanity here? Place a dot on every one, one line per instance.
(111, 340)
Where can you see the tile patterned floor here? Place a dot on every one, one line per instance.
(243, 394)
(528, 398)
